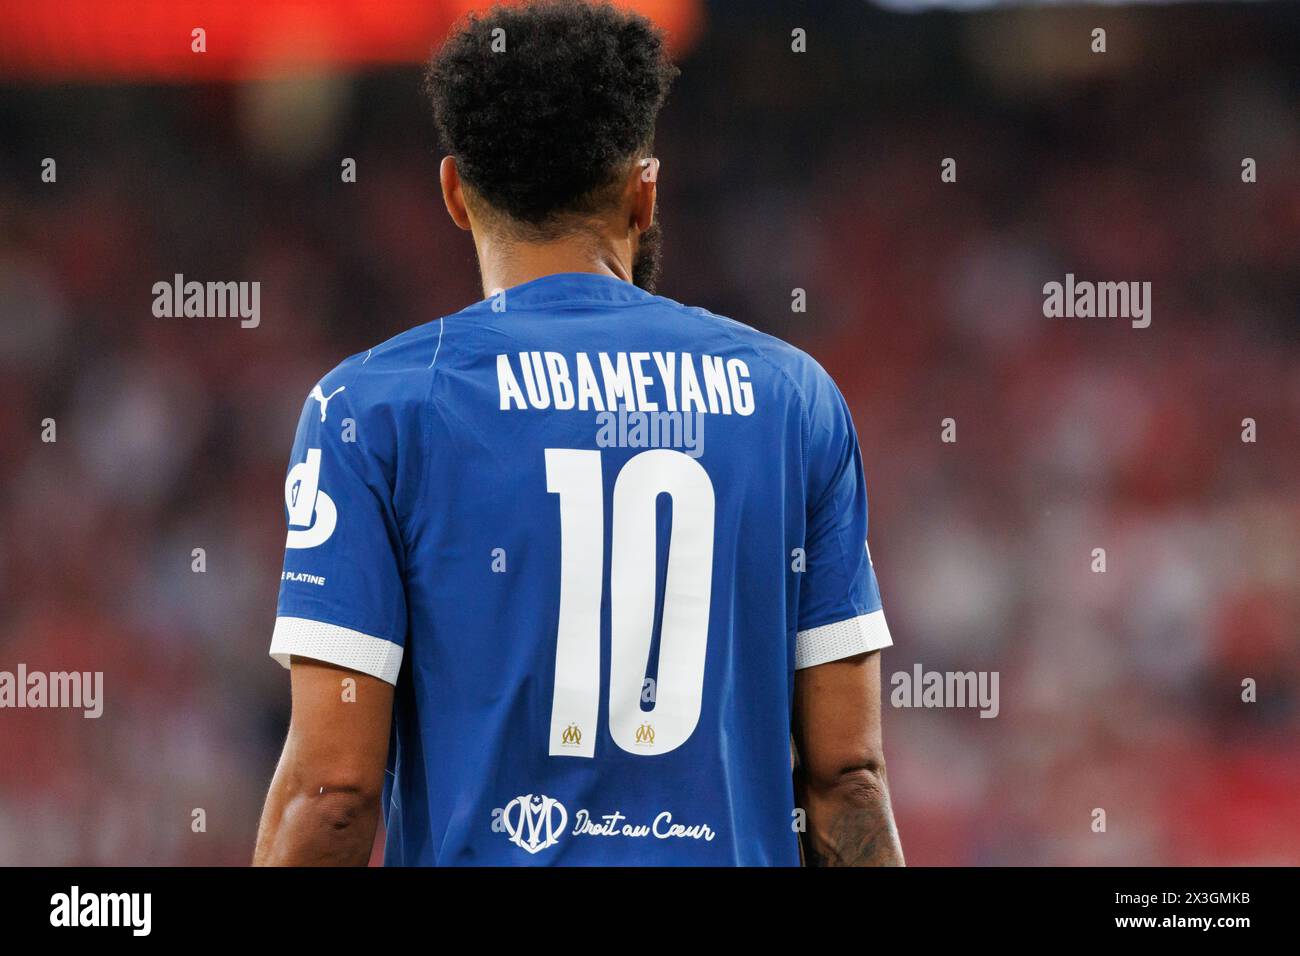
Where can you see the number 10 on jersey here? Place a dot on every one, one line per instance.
(575, 475)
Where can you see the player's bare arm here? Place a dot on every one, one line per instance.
(324, 802)
(840, 778)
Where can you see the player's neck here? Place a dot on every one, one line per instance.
(504, 264)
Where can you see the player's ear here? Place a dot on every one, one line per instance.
(645, 180)
(452, 194)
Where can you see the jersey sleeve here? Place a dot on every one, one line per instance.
(840, 612)
(342, 596)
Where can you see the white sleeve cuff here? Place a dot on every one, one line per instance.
(831, 642)
(332, 644)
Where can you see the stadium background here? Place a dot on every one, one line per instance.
(817, 171)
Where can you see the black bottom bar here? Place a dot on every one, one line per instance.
(543, 906)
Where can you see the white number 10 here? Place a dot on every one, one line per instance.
(575, 476)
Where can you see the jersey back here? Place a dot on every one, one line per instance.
(589, 534)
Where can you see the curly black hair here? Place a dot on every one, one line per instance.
(545, 105)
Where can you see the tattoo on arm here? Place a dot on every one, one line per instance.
(854, 831)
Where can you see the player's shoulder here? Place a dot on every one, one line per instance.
(800, 370)
(392, 374)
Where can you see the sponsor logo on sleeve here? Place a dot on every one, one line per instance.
(312, 514)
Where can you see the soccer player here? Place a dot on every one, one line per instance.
(568, 570)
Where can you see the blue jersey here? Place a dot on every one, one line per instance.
(589, 534)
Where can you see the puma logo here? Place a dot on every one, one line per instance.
(324, 399)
